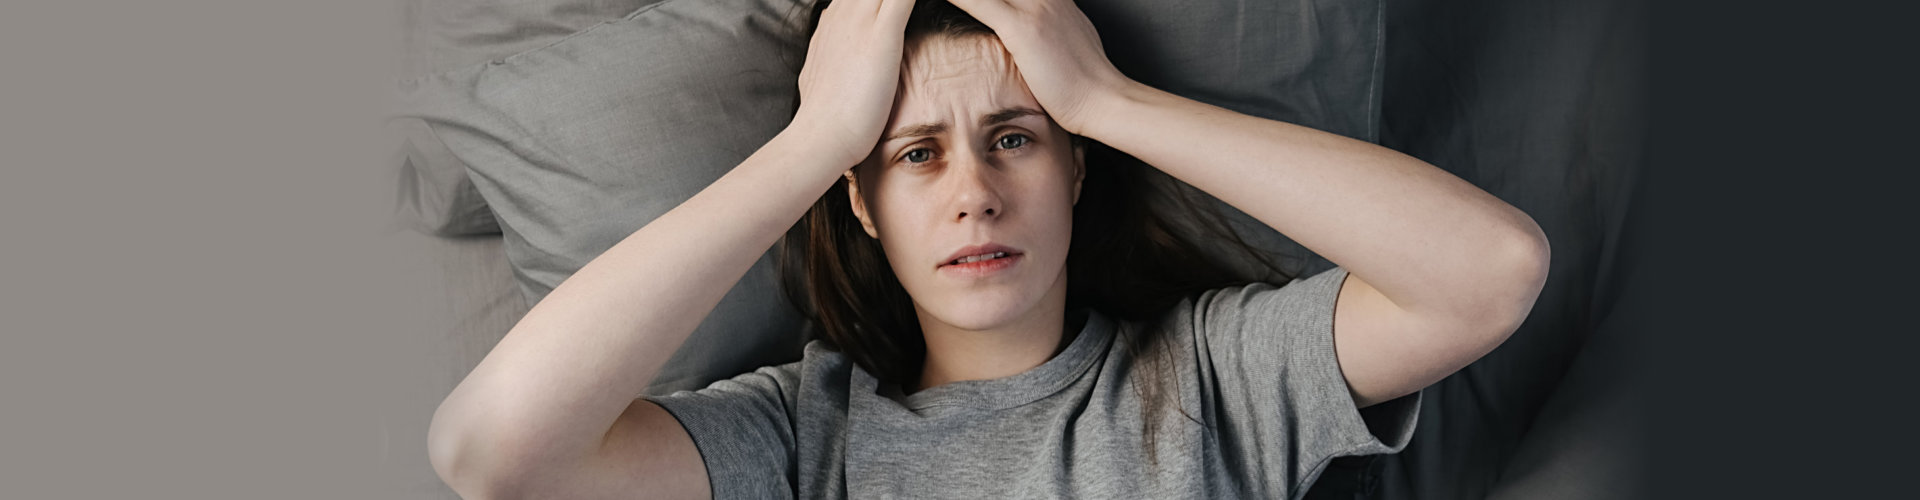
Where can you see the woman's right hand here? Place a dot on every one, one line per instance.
(851, 73)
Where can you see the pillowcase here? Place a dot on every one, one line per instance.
(576, 144)
(436, 196)
(579, 143)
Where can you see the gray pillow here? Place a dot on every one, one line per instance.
(576, 144)
(435, 196)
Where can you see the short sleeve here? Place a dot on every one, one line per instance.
(1277, 390)
(744, 429)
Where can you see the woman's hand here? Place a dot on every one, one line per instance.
(852, 71)
(1058, 53)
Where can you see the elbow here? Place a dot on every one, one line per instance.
(451, 452)
(1522, 270)
(1532, 256)
(447, 452)
(1493, 296)
(468, 461)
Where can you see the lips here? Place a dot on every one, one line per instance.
(976, 253)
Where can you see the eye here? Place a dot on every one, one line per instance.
(920, 155)
(1012, 141)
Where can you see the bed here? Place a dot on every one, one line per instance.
(519, 163)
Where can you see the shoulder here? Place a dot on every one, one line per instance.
(819, 370)
(822, 372)
(1307, 301)
(820, 367)
(818, 357)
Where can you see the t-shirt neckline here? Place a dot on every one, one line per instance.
(1010, 391)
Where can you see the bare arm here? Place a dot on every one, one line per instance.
(1440, 272)
(547, 397)
(551, 411)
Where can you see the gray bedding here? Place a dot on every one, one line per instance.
(1542, 104)
(1537, 102)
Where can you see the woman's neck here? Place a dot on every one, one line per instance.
(955, 354)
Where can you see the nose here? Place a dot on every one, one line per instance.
(976, 191)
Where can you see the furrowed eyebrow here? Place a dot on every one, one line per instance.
(1007, 115)
(921, 130)
(929, 129)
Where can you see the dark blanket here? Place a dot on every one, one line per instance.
(1543, 104)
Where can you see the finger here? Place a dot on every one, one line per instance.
(993, 13)
(894, 13)
(869, 9)
(828, 14)
(837, 9)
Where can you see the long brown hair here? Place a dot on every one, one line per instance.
(1127, 259)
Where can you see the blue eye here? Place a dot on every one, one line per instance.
(1013, 141)
(918, 155)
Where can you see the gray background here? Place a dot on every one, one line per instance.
(200, 299)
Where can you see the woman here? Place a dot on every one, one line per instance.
(963, 361)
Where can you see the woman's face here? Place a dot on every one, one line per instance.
(970, 168)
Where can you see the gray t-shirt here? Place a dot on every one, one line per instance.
(1255, 363)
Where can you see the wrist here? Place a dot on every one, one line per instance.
(812, 141)
(1109, 109)
(823, 140)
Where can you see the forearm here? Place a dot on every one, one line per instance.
(553, 387)
(1428, 240)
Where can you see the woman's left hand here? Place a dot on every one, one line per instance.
(1058, 53)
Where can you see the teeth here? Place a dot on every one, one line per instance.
(977, 258)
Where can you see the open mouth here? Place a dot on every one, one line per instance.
(979, 258)
(981, 262)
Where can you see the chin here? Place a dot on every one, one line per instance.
(984, 310)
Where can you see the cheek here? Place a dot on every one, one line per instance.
(1046, 199)
(899, 220)
(1056, 218)
(1051, 181)
(883, 205)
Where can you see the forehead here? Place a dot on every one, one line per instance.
(942, 75)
